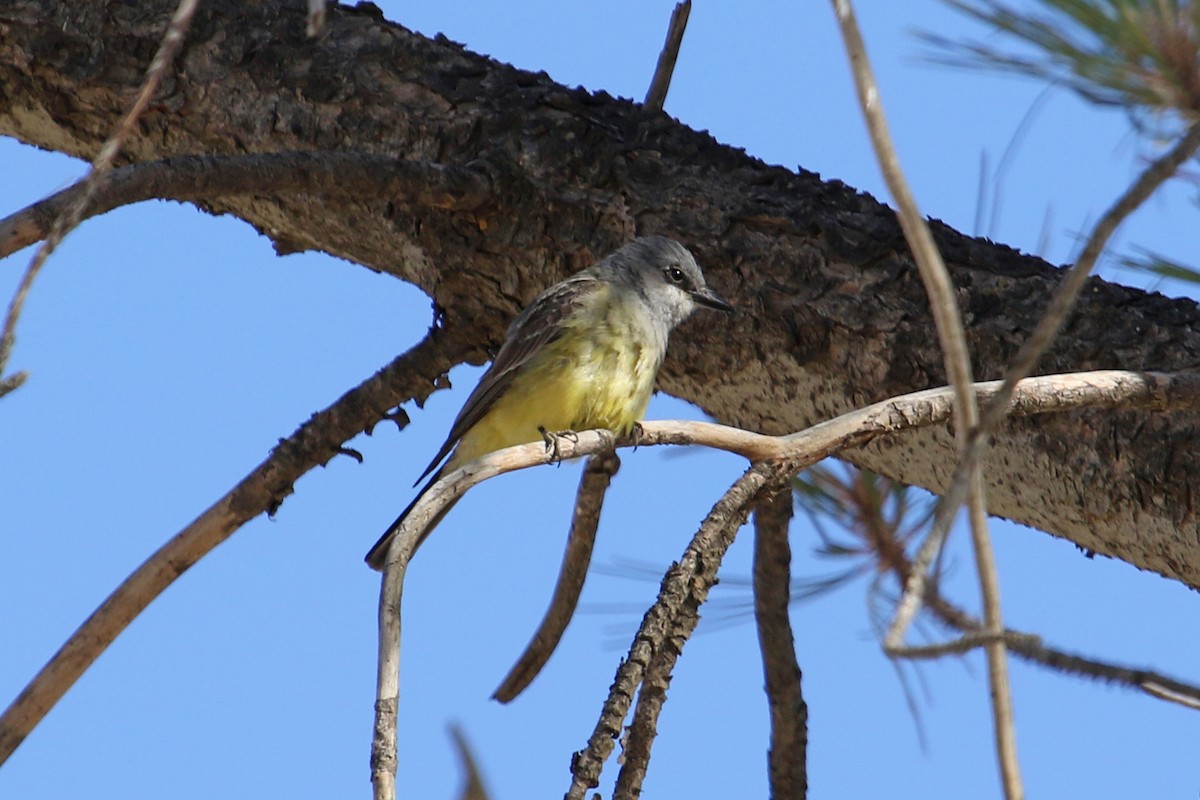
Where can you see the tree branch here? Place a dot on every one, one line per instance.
(263, 490)
(788, 753)
(416, 184)
(684, 589)
(575, 174)
(664, 629)
(598, 472)
(661, 82)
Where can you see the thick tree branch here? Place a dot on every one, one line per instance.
(574, 175)
(417, 184)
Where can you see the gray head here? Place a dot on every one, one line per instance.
(666, 276)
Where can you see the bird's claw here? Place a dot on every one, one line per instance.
(551, 439)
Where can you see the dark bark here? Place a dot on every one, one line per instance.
(833, 314)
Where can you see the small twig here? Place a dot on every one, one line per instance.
(963, 644)
(661, 82)
(172, 41)
(314, 443)
(421, 184)
(952, 337)
(384, 756)
(473, 788)
(597, 474)
(651, 697)
(1158, 690)
(11, 382)
(787, 756)
(1028, 646)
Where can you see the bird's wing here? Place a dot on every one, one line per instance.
(539, 324)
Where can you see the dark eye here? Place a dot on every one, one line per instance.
(675, 275)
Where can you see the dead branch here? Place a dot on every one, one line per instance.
(787, 756)
(660, 84)
(168, 48)
(597, 474)
(952, 337)
(263, 490)
(668, 623)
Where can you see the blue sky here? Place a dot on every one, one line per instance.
(169, 350)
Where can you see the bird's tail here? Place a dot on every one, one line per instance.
(377, 557)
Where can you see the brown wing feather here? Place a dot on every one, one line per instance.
(538, 325)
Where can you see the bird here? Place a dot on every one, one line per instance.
(584, 354)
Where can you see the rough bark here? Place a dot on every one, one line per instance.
(833, 315)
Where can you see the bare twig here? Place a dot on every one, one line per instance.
(787, 757)
(892, 556)
(384, 757)
(597, 474)
(661, 83)
(668, 622)
(420, 184)
(473, 788)
(167, 50)
(948, 322)
(264, 489)
(652, 696)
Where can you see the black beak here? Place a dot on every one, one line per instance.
(707, 297)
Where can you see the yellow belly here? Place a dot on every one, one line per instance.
(599, 374)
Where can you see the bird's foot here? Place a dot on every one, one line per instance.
(551, 439)
(636, 433)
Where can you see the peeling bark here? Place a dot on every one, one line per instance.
(833, 314)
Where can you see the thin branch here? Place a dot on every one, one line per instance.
(384, 754)
(787, 756)
(263, 490)
(651, 697)
(597, 474)
(661, 82)
(1056, 313)
(167, 50)
(421, 184)
(1028, 646)
(952, 337)
(668, 622)
(473, 788)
